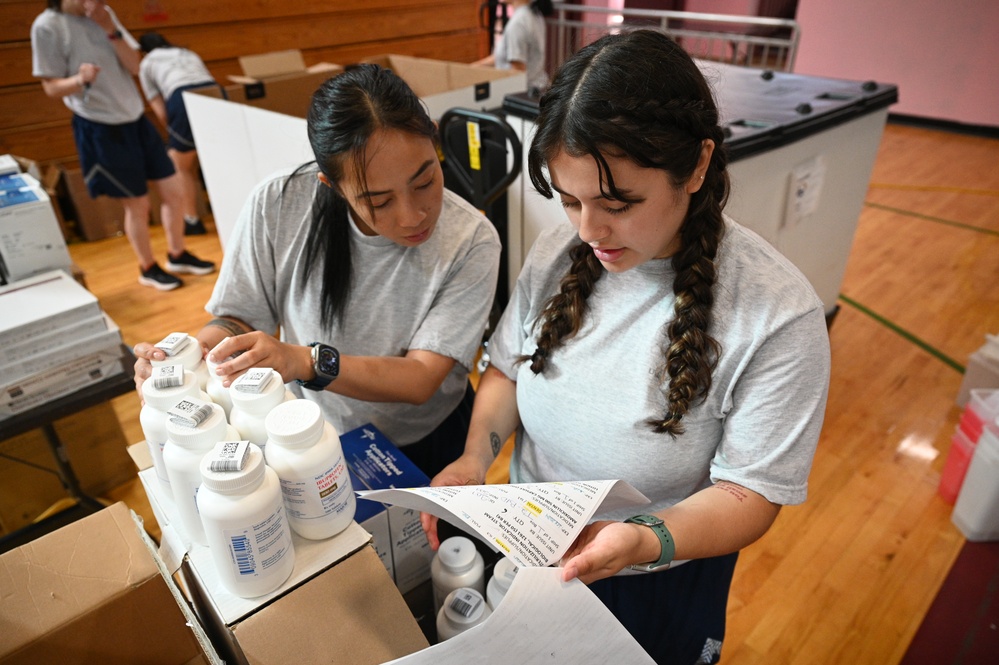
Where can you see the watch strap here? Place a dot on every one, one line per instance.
(321, 380)
(665, 541)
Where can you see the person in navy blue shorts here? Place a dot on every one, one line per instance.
(86, 58)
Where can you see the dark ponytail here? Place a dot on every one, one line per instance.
(345, 112)
(658, 114)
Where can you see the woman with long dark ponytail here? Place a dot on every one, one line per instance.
(377, 279)
(654, 340)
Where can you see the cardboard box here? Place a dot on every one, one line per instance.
(278, 82)
(42, 304)
(93, 592)
(244, 139)
(25, 393)
(378, 464)
(372, 516)
(31, 238)
(96, 218)
(335, 607)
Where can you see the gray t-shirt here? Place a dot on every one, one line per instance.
(523, 40)
(584, 418)
(167, 68)
(60, 43)
(435, 297)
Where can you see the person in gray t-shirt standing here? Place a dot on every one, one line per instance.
(86, 58)
(378, 279)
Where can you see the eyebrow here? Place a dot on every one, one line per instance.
(598, 197)
(369, 194)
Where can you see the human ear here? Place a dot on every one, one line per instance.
(697, 178)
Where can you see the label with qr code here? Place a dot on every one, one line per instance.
(229, 455)
(172, 343)
(190, 412)
(168, 376)
(254, 381)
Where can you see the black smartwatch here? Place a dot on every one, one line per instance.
(326, 365)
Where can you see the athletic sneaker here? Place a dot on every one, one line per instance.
(158, 279)
(194, 227)
(189, 263)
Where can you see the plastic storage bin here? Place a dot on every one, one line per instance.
(976, 512)
(981, 411)
(961, 450)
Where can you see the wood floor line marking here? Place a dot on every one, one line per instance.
(929, 218)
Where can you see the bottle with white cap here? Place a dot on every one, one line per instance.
(503, 573)
(195, 426)
(457, 564)
(253, 395)
(305, 452)
(462, 609)
(244, 518)
(186, 350)
(167, 386)
(218, 392)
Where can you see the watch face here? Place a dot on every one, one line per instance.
(328, 361)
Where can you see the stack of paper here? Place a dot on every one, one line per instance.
(31, 240)
(54, 340)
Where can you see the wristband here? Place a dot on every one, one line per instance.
(665, 541)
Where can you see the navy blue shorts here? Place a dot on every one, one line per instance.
(678, 615)
(179, 135)
(118, 160)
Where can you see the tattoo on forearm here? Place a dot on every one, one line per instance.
(230, 327)
(736, 491)
(497, 445)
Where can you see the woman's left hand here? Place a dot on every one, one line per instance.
(602, 550)
(258, 349)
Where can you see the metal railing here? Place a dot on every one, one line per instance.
(751, 41)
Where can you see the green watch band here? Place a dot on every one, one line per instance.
(665, 540)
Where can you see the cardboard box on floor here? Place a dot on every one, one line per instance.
(241, 141)
(340, 604)
(93, 592)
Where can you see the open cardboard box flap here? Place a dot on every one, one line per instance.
(92, 592)
(278, 65)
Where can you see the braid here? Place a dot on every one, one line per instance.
(563, 313)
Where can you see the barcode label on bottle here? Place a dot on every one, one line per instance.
(464, 602)
(254, 381)
(190, 412)
(242, 552)
(229, 455)
(172, 343)
(168, 376)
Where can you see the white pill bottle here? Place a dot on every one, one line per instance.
(182, 454)
(218, 392)
(305, 452)
(186, 350)
(503, 573)
(250, 409)
(246, 526)
(153, 418)
(463, 608)
(456, 565)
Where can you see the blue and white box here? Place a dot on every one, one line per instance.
(373, 518)
(378, 464)
(31, 240)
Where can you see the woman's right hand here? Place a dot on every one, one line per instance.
(463, 471)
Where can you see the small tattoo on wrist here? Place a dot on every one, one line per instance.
(495, 442)
(229, 326)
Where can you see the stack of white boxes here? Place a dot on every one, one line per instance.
(31, 240)
(54, 340)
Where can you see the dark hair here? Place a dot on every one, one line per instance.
(543, 7)
(346, 111)
(640, 96)
(55, 4)
(153, 40)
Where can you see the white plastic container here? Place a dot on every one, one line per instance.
(189, 354)
(463, 608)
(249, 410)
(182, 455)
(246, 526)
(218, 392)
(153, 419)
(305, 452)
(976, 512)
(503, 573)
(457, 564)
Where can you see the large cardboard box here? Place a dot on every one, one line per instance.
(93, 592)
(243, 140)
(338, 606)
(96, 218)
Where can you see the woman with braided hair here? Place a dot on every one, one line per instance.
(655, 340)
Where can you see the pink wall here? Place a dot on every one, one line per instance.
(942, 54)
